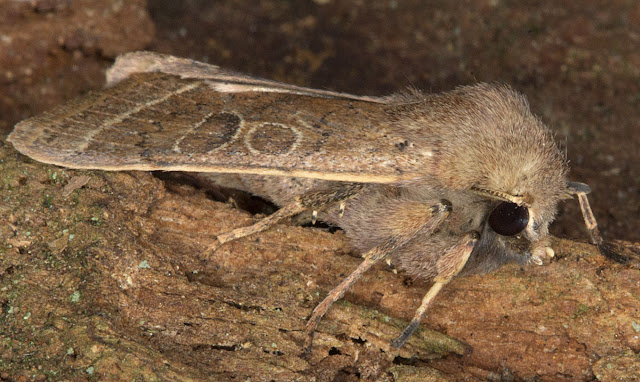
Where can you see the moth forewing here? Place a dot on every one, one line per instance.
(441, 183)
(160, 121)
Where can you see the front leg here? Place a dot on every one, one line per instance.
(432, 217)
(448, 266)
(607, 249)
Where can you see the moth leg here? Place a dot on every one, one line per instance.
(449, 265)
(433, 217)
(300, 204)
(581, 190)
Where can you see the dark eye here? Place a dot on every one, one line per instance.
(508, 219)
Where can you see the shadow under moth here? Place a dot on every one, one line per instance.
(439, 184)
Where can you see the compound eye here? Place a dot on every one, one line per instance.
(508, 219)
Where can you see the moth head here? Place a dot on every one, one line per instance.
(515, 217)
(520, 222)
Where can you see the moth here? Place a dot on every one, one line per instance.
(441, 185)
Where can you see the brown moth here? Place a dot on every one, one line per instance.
(440, 184)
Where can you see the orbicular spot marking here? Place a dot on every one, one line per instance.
(214, 131)
(272, 138)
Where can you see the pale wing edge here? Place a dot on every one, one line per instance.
(25, 134)
(222, 80)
